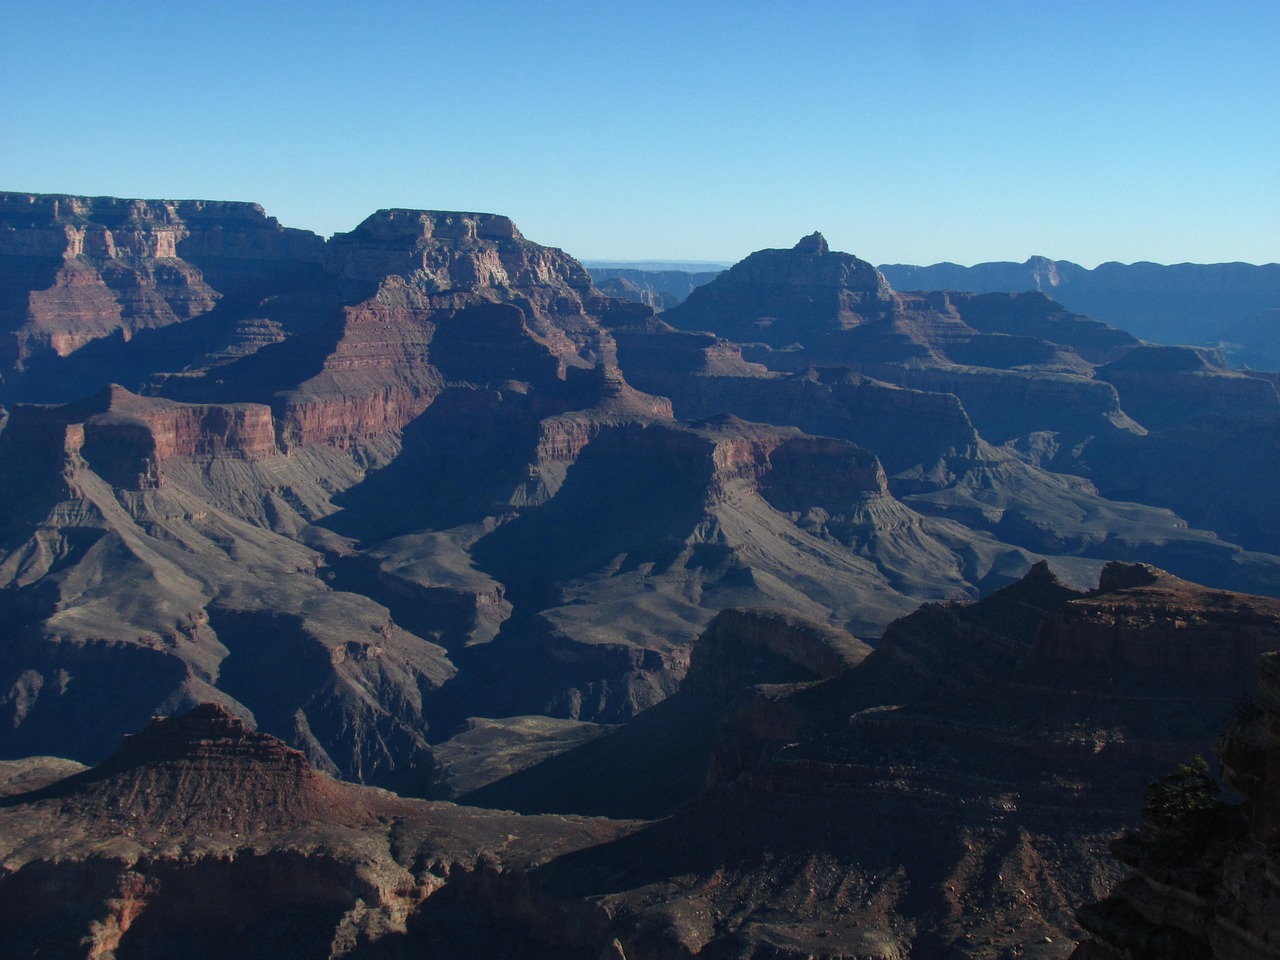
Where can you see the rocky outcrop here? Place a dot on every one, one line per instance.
(126, 439)
(743, 647)
(457, 259)
(978, 719)
(207, 771)
(1204, 879)
(1146, 620)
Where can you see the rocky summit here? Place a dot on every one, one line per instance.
(861, 616)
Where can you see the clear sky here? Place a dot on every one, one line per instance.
(905, 130)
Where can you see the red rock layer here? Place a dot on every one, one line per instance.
(126, 438)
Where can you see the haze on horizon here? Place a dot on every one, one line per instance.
(910, 132)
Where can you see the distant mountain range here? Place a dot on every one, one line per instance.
(1234, 307)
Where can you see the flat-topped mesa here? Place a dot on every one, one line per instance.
(208, 771)
(129, 441)
(113, 227)
(451, 253)
(126, 438)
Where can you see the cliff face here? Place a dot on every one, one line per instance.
(948, 792)
(80, 269)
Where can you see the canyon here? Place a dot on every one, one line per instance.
(805, 617)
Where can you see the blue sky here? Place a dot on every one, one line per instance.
(908, 131)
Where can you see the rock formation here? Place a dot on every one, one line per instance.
(77, 270)
(1203, 881)
(938, 796)
(419, 507)
(203, 832)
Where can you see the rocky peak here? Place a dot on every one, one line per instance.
(787, 296)
(814, 243)
(810, 263)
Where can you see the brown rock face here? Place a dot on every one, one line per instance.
(201, 831)
(126, 439)
(459, 298)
